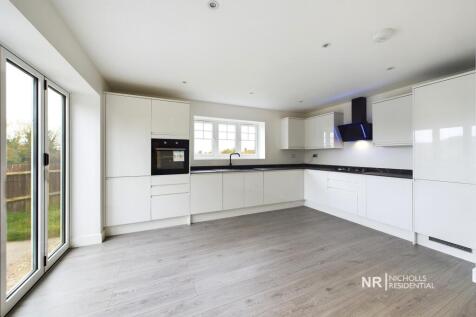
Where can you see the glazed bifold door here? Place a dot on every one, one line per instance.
(33, 187)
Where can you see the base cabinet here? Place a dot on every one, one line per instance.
(283, 186)
(253, 189)
(446, 211)
(206, 192)
(170, 206)
(127, 200)
(233, 190)
(390, 201)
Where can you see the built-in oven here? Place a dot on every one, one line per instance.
(169, 156)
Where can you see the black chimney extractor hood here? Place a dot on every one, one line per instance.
(359, 129)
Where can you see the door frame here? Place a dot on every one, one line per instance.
(8, 301)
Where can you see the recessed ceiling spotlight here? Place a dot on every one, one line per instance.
(213, 4)
(252, 93)
(383, 35)
(326, 45)
(184, 82)
(391, 68)
(300, 101)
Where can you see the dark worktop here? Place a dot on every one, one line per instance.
(386, 172)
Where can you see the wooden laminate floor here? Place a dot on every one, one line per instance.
(293, 262)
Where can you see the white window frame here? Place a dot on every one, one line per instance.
(260, 138)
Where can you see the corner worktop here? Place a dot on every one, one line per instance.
(385, 172)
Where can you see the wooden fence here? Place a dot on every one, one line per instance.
(18, 187)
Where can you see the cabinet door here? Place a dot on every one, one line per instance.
(283, 186)
(127, 200)
(292, 133)
(170, 119)
(444, 130)
(253, 189)
(392, 121)
(346, 192)
(389, 201)
(206, 192)
(315, 186)
(446, 211)
(127, 136)
(311, 133)
(233, 190)
(170, 206)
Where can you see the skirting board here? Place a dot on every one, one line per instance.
(402, 234)
(244, 211)
(145, 226)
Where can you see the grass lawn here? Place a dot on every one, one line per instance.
(19, 224)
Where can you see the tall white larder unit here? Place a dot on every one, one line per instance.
(444, 151)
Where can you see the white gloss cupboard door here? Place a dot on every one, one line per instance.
(446, 211)
(253, 188)
(206, 192)
(170, 119)
(283, 186)
(392, 121)
(170, 206)
(346, 192)
(315, 187)
(292, 133)
(390, 201)
(127, 136)
(233, 190)
(321, 131)
(127, 200)
(444, 122)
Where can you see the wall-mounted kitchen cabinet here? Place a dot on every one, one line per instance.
(127, 136)
(392, 121)
(170, 119)
(321, 131)
(292, 133)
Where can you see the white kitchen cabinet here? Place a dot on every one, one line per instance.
(292, 133)
(127, 136)
(446, 211)
(390, 201)
(170, 206)
(321, 131)
(392, 121)
(346, 192)
(315, 187)
(127, 200)
(444, 121)
(170, 119)
(206, 192)
(283, 186)
(253, 189)
(233, 190)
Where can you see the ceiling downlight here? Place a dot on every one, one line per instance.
(213, 4)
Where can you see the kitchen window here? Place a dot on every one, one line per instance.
(216, 138)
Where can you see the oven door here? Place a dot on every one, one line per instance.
(169, 158)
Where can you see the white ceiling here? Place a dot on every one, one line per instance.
(272, 48)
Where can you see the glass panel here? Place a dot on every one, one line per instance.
(55, 126)
(21, 101)
(248, 147)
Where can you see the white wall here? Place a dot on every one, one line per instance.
(362, 153)
(274, 155)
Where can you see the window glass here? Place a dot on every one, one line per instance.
(203, 132)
